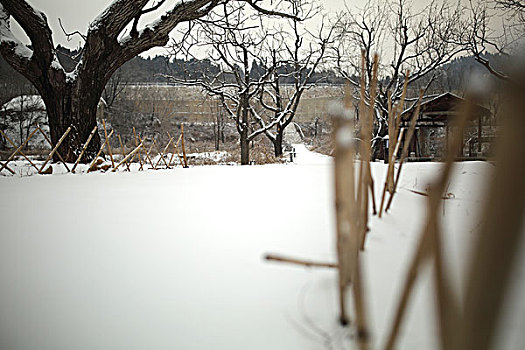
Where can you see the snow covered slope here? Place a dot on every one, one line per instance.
(173, 259)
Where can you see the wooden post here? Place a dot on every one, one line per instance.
(84, 148)
(176, 151)
(51, 145)
(182, 145)
(404, 153)
(147, 154)
(99, 152)
(18, 150)
(164, 152)
(122, 150)
(127, 157)
(4, 166)
(55, 149)
(107, 142)
(161, 156)
(136, 145)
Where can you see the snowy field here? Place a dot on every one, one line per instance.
(173, 259)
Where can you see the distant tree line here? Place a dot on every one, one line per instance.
(154, 70)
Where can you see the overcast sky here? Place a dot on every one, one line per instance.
(77, 14)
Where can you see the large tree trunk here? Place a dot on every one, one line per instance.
(244, 129)
(245, 148)
(278, 142)
(73, 104)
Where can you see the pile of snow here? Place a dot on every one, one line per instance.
(23, 102)
(173, 259)
(22, 114)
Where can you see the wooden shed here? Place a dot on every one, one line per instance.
(435, 122)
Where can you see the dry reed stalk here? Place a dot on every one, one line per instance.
(307, 263)
(347, 224)
(365, 177)
(393, 148)
(127, 157)
(397, 122)
(107, 142)
(429, 248)
(84, 148)
(51, 145)
(497, 245)
(372, 191)
(18, 150)
(359, 305)
(391, 137)
(404, 153)
(54, 149)
(345, 206)
(390, 170)
(362, 185)
(99, 152)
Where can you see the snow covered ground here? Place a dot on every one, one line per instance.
(172, 259)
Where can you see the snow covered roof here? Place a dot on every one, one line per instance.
(25, 102)
(442, 107)
(33, 102)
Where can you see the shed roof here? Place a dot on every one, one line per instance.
(442, 107)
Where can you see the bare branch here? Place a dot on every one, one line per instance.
(69, 35)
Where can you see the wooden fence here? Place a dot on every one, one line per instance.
(146, 156)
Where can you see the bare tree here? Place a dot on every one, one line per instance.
(113, 38)
(234, 38)
(408, 42)
(496, 26)
(264, 68)
(293, 64)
